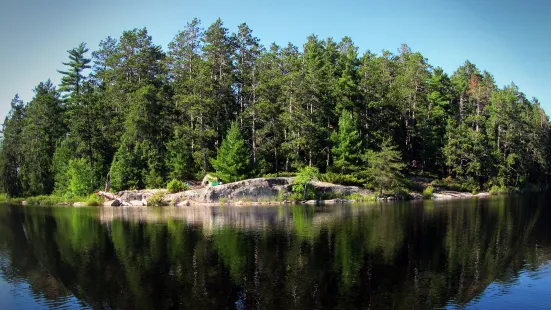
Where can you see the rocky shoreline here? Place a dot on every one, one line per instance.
(267, 191)
(261, 191)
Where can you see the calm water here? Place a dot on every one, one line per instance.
(491, 254)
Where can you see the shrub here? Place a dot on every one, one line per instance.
(301, 183)
(498, 190)
(223, 199)
(281, 195)
(81, 175)
(44, 200)
(232, 163)
(461, 185)
(362, 198)
(156, 200)
(427, 193)
(176, 186)
(94, 200)
(279, 174)
(337, 178)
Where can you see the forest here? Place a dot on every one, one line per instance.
(221, 102)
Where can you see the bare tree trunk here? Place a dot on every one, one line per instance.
(461, 106)
(254, 120)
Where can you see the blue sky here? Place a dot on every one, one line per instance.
(510, 39)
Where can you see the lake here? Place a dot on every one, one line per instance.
(492, 253)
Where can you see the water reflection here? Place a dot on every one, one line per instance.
(410, 255)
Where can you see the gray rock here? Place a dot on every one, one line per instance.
(79, 204)
(183, 203)
(136, 203)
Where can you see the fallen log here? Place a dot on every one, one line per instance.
(111, 196)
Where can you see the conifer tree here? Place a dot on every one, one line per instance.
(232, 162)
(11, 154)
(384, 168)
(347, 145)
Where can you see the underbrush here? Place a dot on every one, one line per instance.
(459, 185)
(343, 179)
(427, 192)
(176, 186)
(156, 200)
(280, 175)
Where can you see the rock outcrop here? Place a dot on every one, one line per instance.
(252, 190)
(260, 189)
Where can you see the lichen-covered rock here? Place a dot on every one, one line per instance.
(340, 190)
(136, 203)
(249, 190)
(252, 190)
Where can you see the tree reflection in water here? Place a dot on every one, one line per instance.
(402, 255)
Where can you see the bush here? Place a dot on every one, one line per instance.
(81, 175)
(498, 190)
(281, 195)
(44, 200)
(176, 186)
(300, 184)
(280, 175)
(156, 200)
(337, 178)
(427, 193)
(223, 200)
(465, 185)
(362, 198)
(94, 200)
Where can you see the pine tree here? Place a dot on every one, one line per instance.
(43, 128)
(384, 168)
(232, 162)
(347, 145)
(11, 155)
(72, 79)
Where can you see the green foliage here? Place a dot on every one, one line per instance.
(148, 116)
(81, 175)
(232, 161)
(281, 195)
(45, 200)
(384, 168)
(94, 200)
(301, 187)
(462, 185)
(223, 200)
(280, 175)
(362, 198)
(11, 150)
(498, 190)
(347, 145)
(157, 200)
(337, 178)
(176, 186)
(427, 192)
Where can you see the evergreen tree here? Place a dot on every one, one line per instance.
(72, 79)
(384, 168)
(43, 128)
(232, 162)
(347, 145)
(11, 155)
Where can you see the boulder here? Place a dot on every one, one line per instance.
(79, 204)
(183, 203)
(136, 203)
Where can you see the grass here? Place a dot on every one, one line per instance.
(223, 200)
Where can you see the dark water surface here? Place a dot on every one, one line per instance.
(488, 253)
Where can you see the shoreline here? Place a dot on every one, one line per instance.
(414, 196)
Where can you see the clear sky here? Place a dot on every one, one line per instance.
(510, 39)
